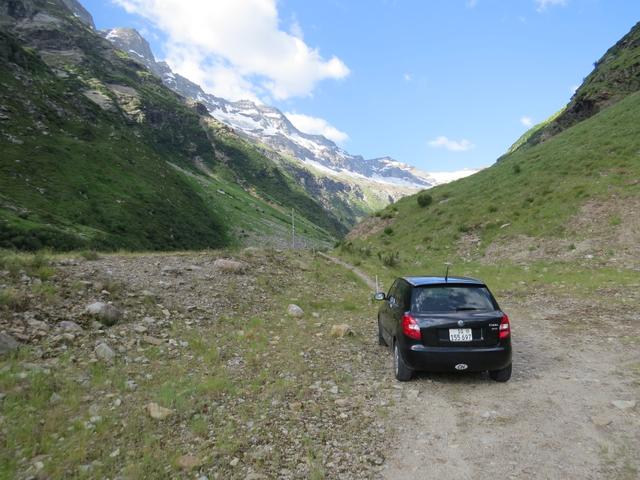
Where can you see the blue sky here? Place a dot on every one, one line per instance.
(440, 84)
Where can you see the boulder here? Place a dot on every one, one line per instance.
(229, 266)
(340, 331)
(295, 311)
(69, 326)
(105, 313)
(157, 412)
(152, 340)
(103, 352)
(7, 343)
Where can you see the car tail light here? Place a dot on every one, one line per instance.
(410, 327)
(505, 327)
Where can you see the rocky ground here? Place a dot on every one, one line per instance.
(193, 365)
(261, 364)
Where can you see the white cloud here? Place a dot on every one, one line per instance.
(544, 4)
(451, 145)
(407, 77)
(472, 3)
(316, 126)
(526, 121)
(236, 48)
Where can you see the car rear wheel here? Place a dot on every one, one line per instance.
(402, 371)
(380, 336)
(502, 375)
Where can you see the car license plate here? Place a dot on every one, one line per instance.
(460, 335)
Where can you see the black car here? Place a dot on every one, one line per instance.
(441, 324)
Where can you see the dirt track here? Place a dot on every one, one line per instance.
(554, 419)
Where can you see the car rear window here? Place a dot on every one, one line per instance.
(450, 298)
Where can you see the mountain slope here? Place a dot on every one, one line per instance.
(346, 184)
(616, 75)
(574, 196)
(97, 152)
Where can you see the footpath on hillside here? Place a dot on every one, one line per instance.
(363, 276)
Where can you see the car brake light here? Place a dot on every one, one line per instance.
(410, 327)
(505, 327)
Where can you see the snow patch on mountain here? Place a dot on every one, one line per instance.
(270, 126)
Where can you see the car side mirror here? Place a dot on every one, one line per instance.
(380, 296)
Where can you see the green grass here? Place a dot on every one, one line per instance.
(213, 404)
(76, 177)
(614, 77)
(589, 162)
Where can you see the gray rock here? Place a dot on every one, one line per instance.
(7, 343)
(69, 326)
(624, 404)
(229, 266)
(340, 331)
(295, 311)
(157, 412)
(105, 313)
(601, 420)
(103, 352)
(37, 324)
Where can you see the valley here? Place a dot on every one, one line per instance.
(186, 281)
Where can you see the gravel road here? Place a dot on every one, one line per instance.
(569, 410)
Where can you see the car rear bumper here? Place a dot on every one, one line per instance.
(445, 359)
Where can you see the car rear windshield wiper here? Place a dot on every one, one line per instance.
(460, 309)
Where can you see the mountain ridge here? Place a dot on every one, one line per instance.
(269, 125)
(99, 153)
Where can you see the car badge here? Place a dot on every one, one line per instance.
(460, 323)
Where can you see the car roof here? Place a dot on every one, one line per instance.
(420, 281)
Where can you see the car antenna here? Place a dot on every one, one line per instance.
(446, 275)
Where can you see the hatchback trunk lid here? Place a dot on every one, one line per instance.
(435, 328)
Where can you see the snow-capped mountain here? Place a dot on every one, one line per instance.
(270, 126)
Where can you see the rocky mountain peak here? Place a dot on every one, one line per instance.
(130, 41)
(80, 12)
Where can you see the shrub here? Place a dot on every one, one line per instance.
(89, 255)
(424, 199)
(389, 259)
(516, 168)
(14, 300)
(388, 231)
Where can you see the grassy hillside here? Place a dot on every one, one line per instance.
(533, 193)
(74, 175)
(616, 75)
(90, 144)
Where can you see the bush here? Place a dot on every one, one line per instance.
(424, 199)
(388, 231)
(89, 255)
(516, 168)
(389, 259)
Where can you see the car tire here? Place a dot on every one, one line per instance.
(380, 336)
(502, 375)
(401, 370)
